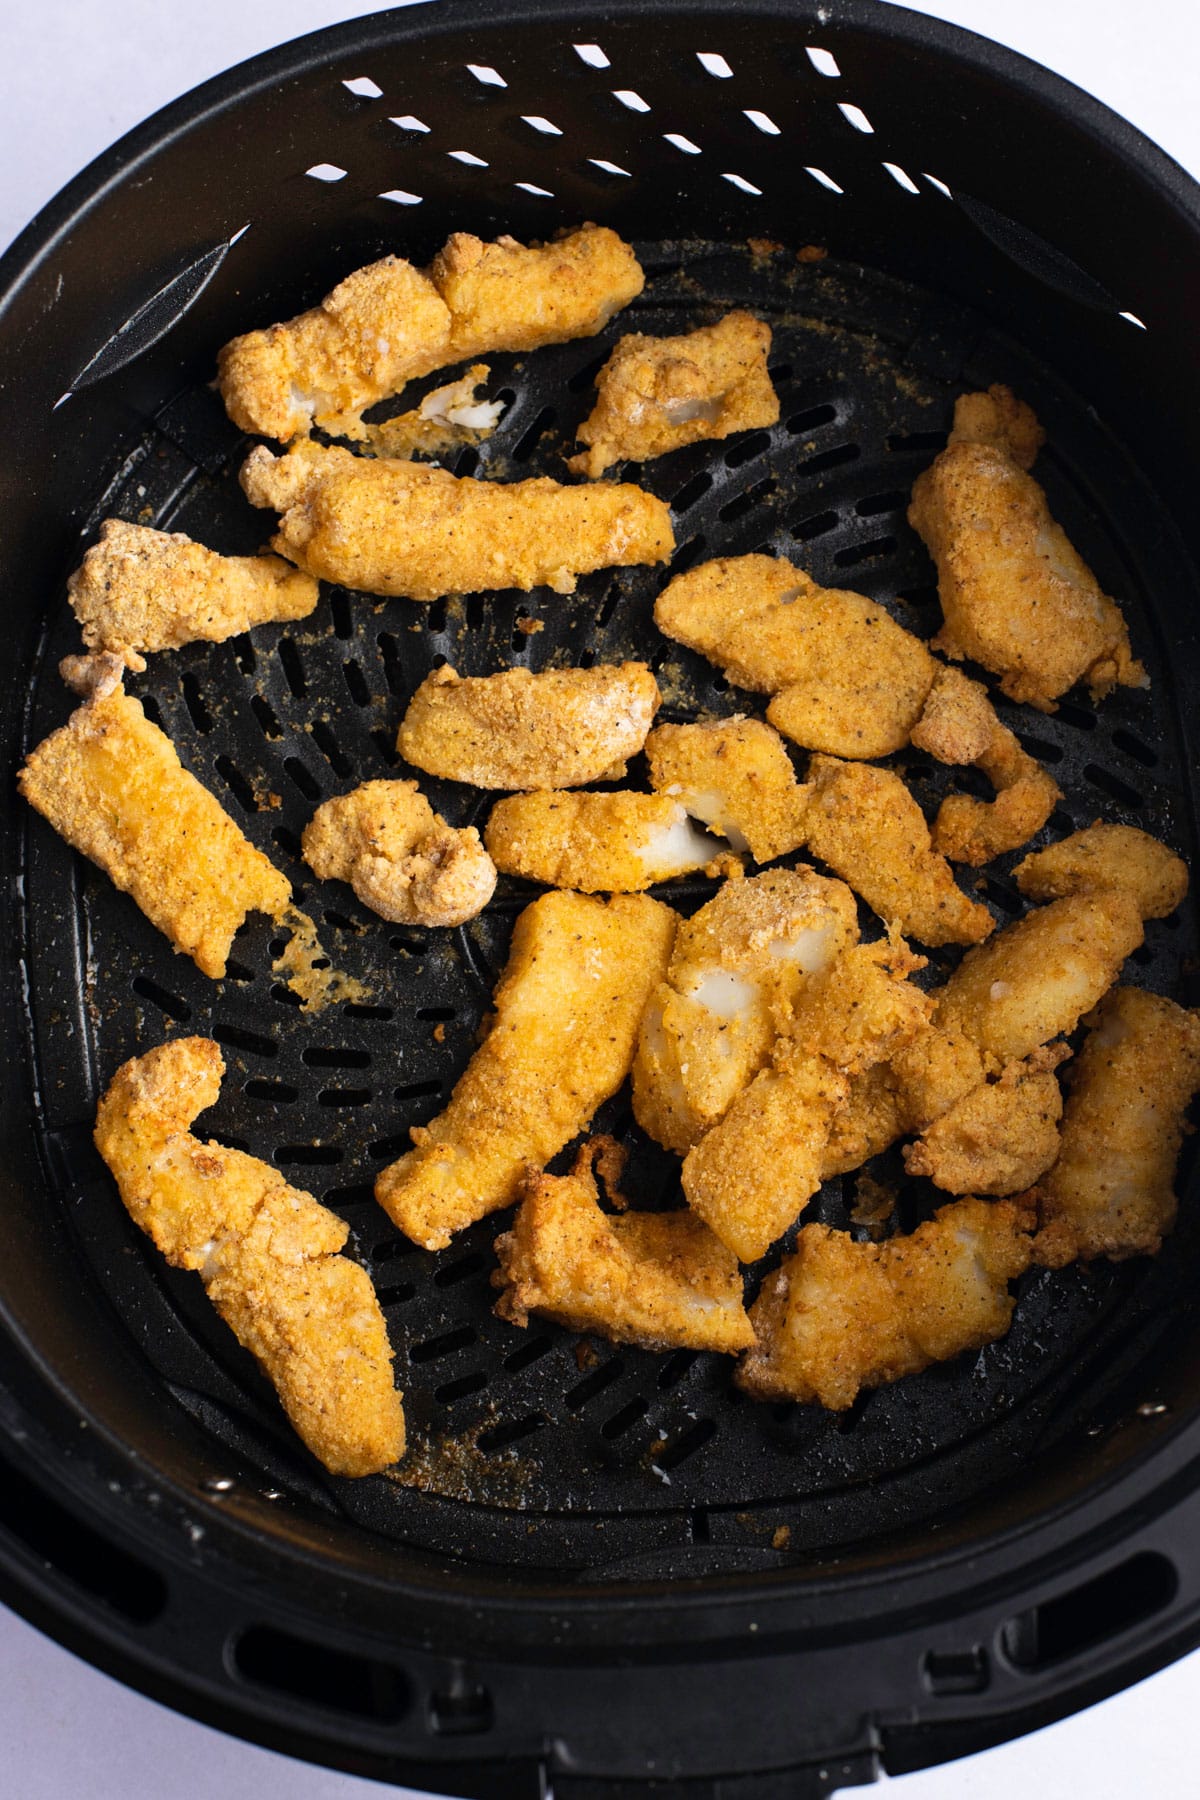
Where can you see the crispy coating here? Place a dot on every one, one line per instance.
(998, 418)
(561, 1041)
(736, 777)
(870, 1120)
(959, 725)
(511, 296)
(657, 394)
(1112, 1190)
(138, 589)
(1001, 1137)
(860, 1009)
(400, 857)
(840, 1316)
(404, 528)
(110, 783)
(656, 1279)
(925, 1074)
(1107, 856)
(712, 1021)
(845, 677)
(866, 825)
(612, 843)
(266, 1252)
(557, 729)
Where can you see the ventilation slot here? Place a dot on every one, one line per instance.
(331, 1680)
(1075, 1622)
(77, 1553)
(173, 1005)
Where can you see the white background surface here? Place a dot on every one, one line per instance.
(74, 75)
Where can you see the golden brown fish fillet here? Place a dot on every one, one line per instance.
(110, 783)
(859, 1009)
(557, 729)
(266, 1252)
(400, 857)
(1000, 1137)
(657, 394)
(998, 418)
(405, 528)
(839, 1316)
(560, 1043)
(1112, 1190)
(1107, 856)
(611, 843)
(870, 1120)
(735, 776)
(925, 1074)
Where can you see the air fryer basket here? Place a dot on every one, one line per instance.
(599, 1569)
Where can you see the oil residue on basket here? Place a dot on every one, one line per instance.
(309, 972)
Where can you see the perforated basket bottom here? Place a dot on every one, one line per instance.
(532, 1445)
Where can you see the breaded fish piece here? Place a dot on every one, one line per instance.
(1107, 856)
(712, 1021)
(266, 1252)
(141, 590)
(925, 1074)
(111, 784)
(657, 1279)
(840, 1316)
(1112, 1190)
(999, 1138)
(736, 777)
(959, 725)
(657, 394)
(866, 825)
(845, 677)
(1016, 596)
(998, 418)
(611, 843)
(389, 322)
(557, 729)
(869, 1121)
(861, 1008)
(404, 528)
(560, 1043)
(400, 857)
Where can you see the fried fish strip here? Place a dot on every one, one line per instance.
(923, 1077)
(657, 394)
(611, 843)
(561, 1041)
(1112, 1191)
(266, 1252)
(400, 857)
(557, 729)
(735, 776)
(840, 1316)
(111, 784)
(1107, 856)
(1000, 1137)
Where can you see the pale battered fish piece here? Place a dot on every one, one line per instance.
(404, 528)
(1112, 1191)
(400, 857)
(1107, 856)
(840, 1316)
(1016, 596)
(959, 725)
(712, 1022)
(558, 729)
(866, 825)
(845, 677)
(266, 1252)
(999, 1138)
(657, 394)
(661, 1280)
(389, 322)
(599, 843)
(140, 590)
(560, 1043)
(735, 776)
(111, 784)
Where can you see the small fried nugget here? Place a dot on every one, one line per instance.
(404, 528)
(937, 1067)
(999, 1138)
(866, 825)
(657, 394)
(266, 1252)
(840, 1316)
(111, 784)
(399, 856)
(959, 725)
(138, 590)
(861, 1008)
(998, 418)
(561, 1040)
(871, 1119)
(657, 1279)
(611, 843)
(1111, 1191)
(736, 777)
(1107, 856)
(557, 729)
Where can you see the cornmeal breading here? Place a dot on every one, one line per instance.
(1111, 1192)
(861, 1008)
(735, 776)
(405, 528)
(925, 1074)
(558, 729)
(999, 1138)
(1107, 856)
(998, 418)
(561, 1041)
(138, 590)
(657, 394)
(611, 843)
(870, 1120)
(840, 1316)
(400, 857)
(110, 783)
(959, 725)
(266, 1252)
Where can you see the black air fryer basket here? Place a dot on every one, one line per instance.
(600, 1570)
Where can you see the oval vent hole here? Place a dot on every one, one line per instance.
(1102, 1608)
(333, 1680)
